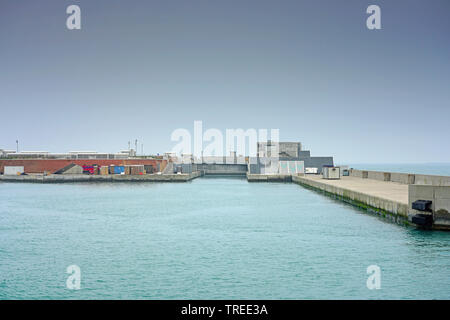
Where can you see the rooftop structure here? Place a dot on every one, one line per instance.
(11, 154)
(286, 151)
(281, 149)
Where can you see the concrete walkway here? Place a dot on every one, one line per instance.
(388, 196)
(388, 190)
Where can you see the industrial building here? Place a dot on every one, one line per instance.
(12, 154)
(49, 163)
(270, 153)
(51, 166)
(272, 158)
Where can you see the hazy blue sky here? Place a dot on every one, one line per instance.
(140, 69)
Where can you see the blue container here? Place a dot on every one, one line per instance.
(119, 169)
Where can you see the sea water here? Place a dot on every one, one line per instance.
(212, 238)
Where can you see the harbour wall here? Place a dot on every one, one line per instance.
(59, 178)
(404, 178)
(269, 177)
(221, 169)
(386, 198)
(363, 200)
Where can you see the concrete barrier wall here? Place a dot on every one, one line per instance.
(376, 175)
(222, 169)
(423, 179)
(356, 173)
(404, 178)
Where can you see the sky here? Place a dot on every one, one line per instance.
(140, 69)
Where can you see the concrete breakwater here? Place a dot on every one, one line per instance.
(389, 199)
(389, 194)
(386, 199)
(56, 178)
(416, 199)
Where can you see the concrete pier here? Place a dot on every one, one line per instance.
(59, 178)
(394, 199)
(385, 198)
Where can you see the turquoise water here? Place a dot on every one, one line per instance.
(439, 169)
(212, 238)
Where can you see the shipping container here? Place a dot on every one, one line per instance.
(137, 170)
(344, 170)
(104, 170)
(331, 173)
(311, 170)
(119, 170)
(14, 170)
(88, 169)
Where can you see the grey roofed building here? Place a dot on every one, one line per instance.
(288, 151)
